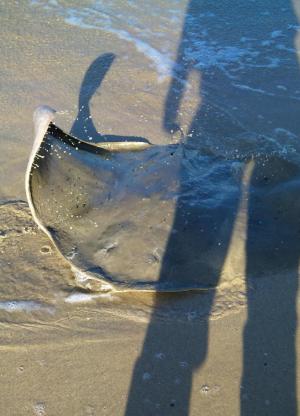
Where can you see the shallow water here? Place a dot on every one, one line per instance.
(219, 81)
(242, 64)
(224, 82)
(234, 74)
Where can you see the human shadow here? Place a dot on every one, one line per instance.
(239, 115)
(196, 249)
(269, 382)
(83, 126)
(269, 378)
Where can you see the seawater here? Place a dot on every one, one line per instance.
(243, 52)
(244, 58)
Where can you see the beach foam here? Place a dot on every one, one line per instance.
(153, 29)
(25, 306)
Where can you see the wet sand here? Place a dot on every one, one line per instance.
(65, 351)
(68, 351)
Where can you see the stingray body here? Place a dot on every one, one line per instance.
(94, 200)
(126, 215)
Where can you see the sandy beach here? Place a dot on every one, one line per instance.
(230, 349)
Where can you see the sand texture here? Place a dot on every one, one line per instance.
(212, 206)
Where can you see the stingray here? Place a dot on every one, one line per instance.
(116, 211)
(93, 202)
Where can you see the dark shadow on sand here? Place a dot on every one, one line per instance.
(269, 378)
(162, 378)
(83, 126)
